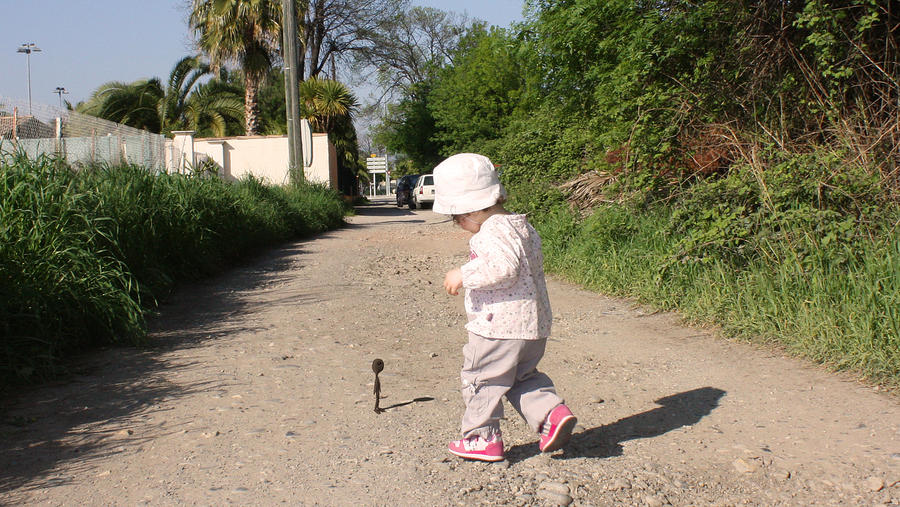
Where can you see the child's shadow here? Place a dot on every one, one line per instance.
(677, 410)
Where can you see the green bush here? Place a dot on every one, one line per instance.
(808, 201)
(544, 149)
(61, 288)
(836, 301)
(85, 254)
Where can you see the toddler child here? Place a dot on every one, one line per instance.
(508, 311)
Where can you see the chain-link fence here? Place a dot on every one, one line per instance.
(38, 129)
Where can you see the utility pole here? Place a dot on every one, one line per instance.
(292, 88)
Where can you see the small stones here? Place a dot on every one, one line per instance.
(555, 487)
(525, 499)
(653, 501)
(874, 484)
(743, 466)
(555, 493)
(619, 484)
(554, 498)
(466, 491)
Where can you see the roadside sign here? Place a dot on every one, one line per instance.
(306, 142)
(376, 163)
(376, 166)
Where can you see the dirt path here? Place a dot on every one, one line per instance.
(260, 392)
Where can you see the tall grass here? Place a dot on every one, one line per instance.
(84, 255)
(839, 306)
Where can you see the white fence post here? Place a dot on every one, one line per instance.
(184, 146)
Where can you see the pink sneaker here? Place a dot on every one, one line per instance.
(557, 429)
(478, 448)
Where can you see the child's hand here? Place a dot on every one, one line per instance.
(453, 281)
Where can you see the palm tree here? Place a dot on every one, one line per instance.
(212, 108)
(183, 105)
(244, 32)
(133, 104)
(329, 106)
(325, 102)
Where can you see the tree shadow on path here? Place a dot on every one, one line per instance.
(677, 411)
(88, 415)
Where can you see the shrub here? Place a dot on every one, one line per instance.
(85, 254)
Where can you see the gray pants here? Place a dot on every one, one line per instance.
(494, 368)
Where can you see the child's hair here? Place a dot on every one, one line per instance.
(501, 200)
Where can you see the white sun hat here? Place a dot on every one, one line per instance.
(465, 182)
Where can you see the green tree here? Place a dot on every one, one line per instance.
(134, 104)
(475, 98)
(184, 104)
(330, 106)
(272, 116)
(408, 127)
(407, 51)
(243, 32)
(409, 47)
(324, 102)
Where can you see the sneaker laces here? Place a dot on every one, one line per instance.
(477, 443)
(545, 427)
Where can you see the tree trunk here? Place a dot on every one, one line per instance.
(301, 63)
(251, 105)
(314, 36)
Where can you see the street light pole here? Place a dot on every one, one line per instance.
(60, 90)
(28, 48)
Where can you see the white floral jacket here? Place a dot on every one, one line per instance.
(506, 294)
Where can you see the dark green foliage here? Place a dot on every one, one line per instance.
(473, 99)
(272, 116)
(806, 196)
(409, 128)
(751, 148)
(838, 304)
(211, 108)
(85, 254)
(61, 289)
(545, 148)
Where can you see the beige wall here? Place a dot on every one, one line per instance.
(266, 157)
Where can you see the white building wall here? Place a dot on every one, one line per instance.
(265, 157)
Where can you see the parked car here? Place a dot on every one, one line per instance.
(423, 192)
(404, 188)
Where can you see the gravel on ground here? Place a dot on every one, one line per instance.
(258, 389)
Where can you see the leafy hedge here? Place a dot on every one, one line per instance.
(749, 148)
(791, 256)
(84, 255)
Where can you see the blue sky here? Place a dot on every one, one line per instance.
(86, 43)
